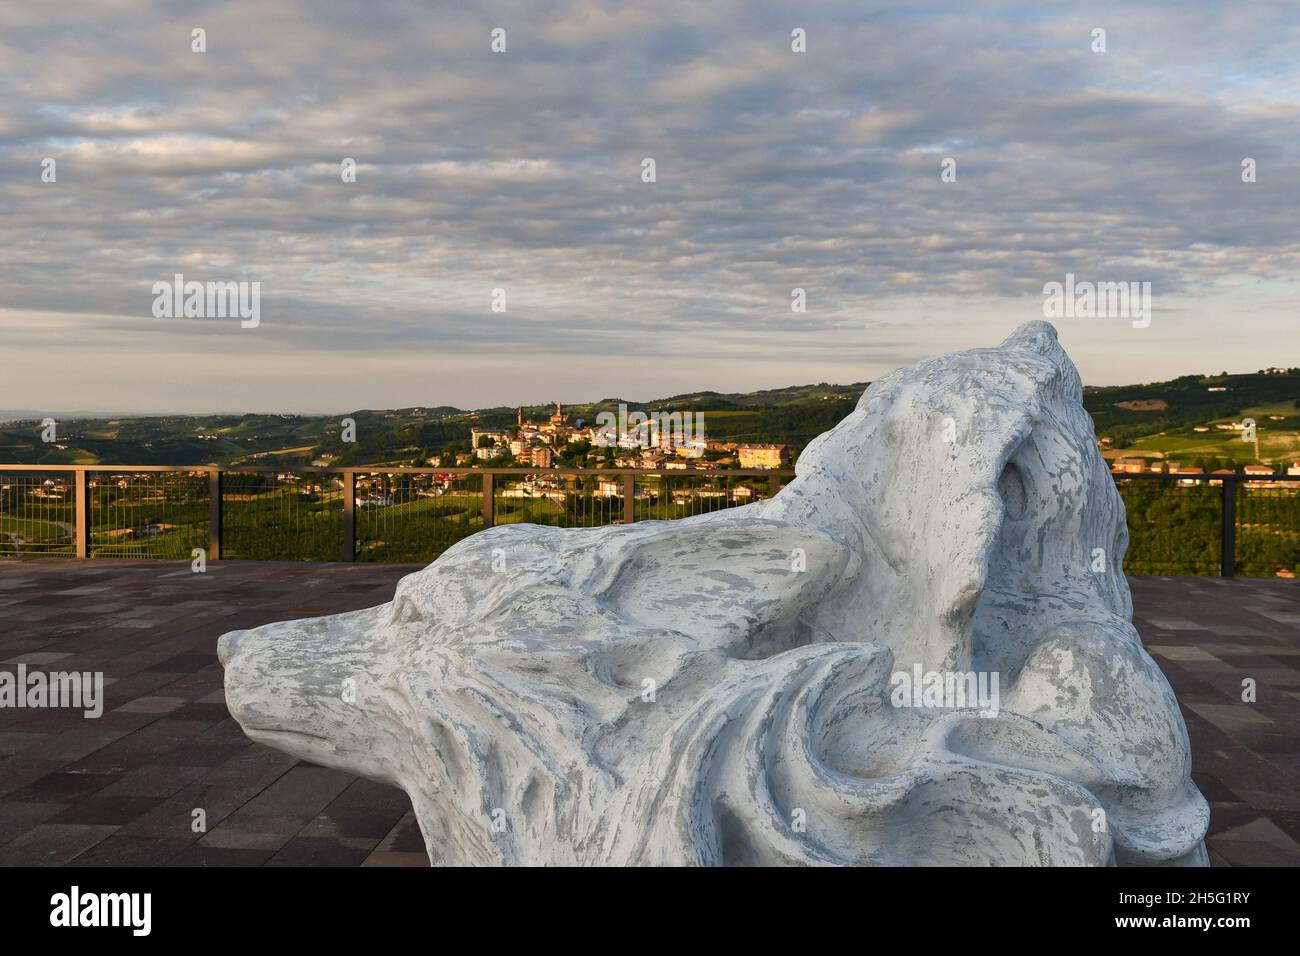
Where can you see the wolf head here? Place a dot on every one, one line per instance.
(723, 689)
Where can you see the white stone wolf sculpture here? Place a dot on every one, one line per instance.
(717, 690)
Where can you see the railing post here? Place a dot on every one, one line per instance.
(489, 500)
(349, 516)
(214, 514)
(83, 514)
(1228, 556)
(774, 484)
(629, 499)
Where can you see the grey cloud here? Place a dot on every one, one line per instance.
(522, 170)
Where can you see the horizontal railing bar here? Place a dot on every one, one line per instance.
(411, 470)
(151, 468)
(1202, 476)
(652, 472)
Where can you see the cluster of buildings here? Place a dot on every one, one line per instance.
(1138, 466)
(533, 443)
(614, 488)
(654, 441)
(145, 486)
(49, 489)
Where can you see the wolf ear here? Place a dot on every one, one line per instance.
(1037, 336)
(924, 466)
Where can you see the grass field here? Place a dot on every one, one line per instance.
(35, 530)
(1275, 447)
(1285, 409)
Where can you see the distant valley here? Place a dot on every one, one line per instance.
(1174, 419)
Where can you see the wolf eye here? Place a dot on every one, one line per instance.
(405, 611)
(1011, 485)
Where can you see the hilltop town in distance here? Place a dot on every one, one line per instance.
(1192, 423)
(707, 429)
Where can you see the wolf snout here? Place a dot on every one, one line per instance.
(228, 645)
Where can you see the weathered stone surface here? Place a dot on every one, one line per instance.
(960, 520)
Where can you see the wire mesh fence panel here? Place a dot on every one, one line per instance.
(147, 514)
(1268, 529)
(38, 513)
(561, 501)
(282, 517)
(413, 518)
(400, 516)
(596, 501)
(1173, 528)
(664, 497)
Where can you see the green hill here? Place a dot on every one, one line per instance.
(1178, 419)
(1157, 419)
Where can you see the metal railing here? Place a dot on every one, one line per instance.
(1206, 523)
(373, 513)
(1179, 523)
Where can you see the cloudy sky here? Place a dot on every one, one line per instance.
(522, 170)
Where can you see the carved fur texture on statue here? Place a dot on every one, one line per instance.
(951, 521)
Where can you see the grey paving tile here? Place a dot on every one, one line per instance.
(123, 790)
(51, 844)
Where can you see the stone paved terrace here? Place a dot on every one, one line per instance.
(121, 789)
